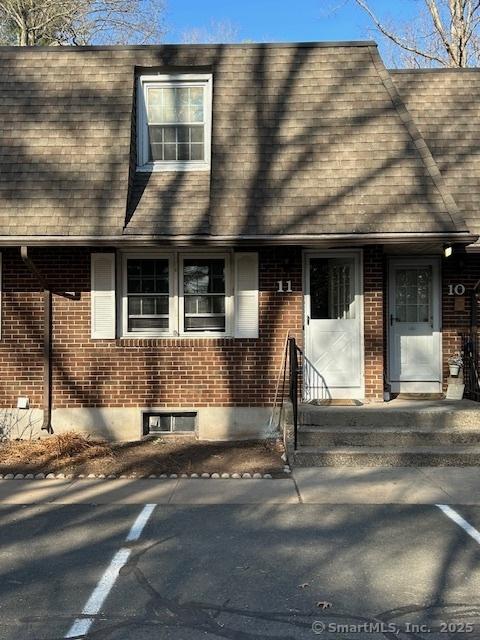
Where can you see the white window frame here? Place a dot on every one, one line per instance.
(176, 303)
(228, 295)
(172, 292)
(172, 80)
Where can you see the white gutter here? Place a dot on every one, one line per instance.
(463, 237)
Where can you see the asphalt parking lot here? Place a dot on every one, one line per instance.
(238, 571)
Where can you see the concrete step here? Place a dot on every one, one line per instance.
(439, 456)
(441, 414)
(327, 437)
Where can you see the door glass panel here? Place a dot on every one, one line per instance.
(413, 294)
(332, 290)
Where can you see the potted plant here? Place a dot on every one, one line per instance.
(455, 363)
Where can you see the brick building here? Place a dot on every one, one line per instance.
(168, 215)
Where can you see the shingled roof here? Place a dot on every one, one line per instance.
(445, 103)
(306, 139)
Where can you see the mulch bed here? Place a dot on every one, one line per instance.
(74, 454)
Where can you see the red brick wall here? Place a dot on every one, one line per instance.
(122, 373)
(458, 269)
(180, 372)
(374, 321)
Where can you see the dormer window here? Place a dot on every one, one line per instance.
(174, 122)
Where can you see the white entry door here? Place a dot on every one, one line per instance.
(333, 327)
(414, 326)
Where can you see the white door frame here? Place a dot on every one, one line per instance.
(357, 254)
(420, 386)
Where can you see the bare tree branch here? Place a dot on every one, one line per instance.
(43, 22)
(396, 39)
(445, 33)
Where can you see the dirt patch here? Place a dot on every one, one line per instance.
(74, 454)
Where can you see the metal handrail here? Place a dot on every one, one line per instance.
(470, 363)
(294, 370)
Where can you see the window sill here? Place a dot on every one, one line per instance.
(184, 336)
(154, 167)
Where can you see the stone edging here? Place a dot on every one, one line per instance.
(162, 476)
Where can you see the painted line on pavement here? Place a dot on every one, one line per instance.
(457, 518)
(81, 626)
(139, 524)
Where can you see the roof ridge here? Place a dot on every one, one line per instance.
(439, 70)
(419, 142)
(313, 44)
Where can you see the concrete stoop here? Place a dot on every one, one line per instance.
(399, 433)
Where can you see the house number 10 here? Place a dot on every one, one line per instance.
(456, 289)
(281, 289)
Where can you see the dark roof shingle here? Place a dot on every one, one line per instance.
(445, 104)
(305, 140)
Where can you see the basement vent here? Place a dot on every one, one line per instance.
(162, 422)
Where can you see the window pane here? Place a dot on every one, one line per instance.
(169, 134)
(174, 142)
(218, 304)
(196, 133)
(197, 152)
(413, 294)
(147, 276)
(184, 422)
(204, 276)
(183, 134)
(156, 152)
(170, 152)
(183, 152)
(147, 305)
(148, 324)
(134, 306)
(331, 289)
(196, 96)
(154, 104)
(175, 104)
(205, 323)
(196, 114)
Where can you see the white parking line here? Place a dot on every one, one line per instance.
(457, 518)
(81, 626)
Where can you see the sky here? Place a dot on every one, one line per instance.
(282, 20)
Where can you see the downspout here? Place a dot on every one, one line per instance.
(47, 340)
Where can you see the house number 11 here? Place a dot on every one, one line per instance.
(281, 289)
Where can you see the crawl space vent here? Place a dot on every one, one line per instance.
(162, 422)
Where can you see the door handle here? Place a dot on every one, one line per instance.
(308, 320)
(391, 319)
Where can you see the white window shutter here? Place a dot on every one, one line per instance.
(246, 295)
(1, 295)
(103, 296)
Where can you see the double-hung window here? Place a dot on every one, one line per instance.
(148, 295)
(203, 294)
(177, 294)
(174, 122)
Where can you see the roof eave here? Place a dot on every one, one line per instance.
(328, 239)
